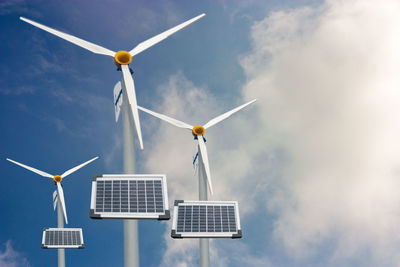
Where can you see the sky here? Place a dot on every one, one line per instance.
(314, 163)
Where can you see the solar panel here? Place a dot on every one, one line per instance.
(62, 238)
(129, 196)
(209, 219)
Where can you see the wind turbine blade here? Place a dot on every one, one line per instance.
(60, 194)
(131, 94)
(195, 161)
(204, 158)
(65, 174)
(170, 120)
(118, 99)
(75, 40)
(226, 115)
(55, 199)
(158, 38)
(42, 173)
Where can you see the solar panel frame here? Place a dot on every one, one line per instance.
(47, 233)
(201, 226)
(130, 208)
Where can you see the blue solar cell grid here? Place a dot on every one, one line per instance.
(122, 196)
(206, 218)
(62, 237)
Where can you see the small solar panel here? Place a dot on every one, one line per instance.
(129, 196)
(206, 219)
(62, 238)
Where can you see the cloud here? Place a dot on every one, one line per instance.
(327, 79)
(11, 258)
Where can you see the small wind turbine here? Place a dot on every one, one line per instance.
(198, 132)
(121, 58)
(57, 180)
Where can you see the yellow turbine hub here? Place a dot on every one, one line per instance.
(198, 130)
(57, 178)
(122, 58)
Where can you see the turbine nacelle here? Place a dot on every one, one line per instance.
(122, 58)
(57, 179)
(198, 130)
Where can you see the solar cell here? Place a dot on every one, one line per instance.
(62, 238)
(197, 219)
(128, 196)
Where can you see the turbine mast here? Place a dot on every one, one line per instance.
(204, 244)
(131, 239)
(60, 224)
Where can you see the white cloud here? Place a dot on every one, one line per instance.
(11, 258)
(328, 84)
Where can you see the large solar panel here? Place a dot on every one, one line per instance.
(129, 196)
(206, 219)
(62, 238)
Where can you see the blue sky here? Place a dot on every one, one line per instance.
(314, 164)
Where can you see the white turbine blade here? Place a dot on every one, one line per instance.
(42, 173)
(195, 161)
(65, 174)
(55, 199)
(226, 115)
(158, 38)
(204, 158)
(175, 122)
(118, 99)
(131, 94)
(60, 194)
(75, 40)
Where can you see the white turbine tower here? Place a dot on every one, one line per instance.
(121, 58)
(59, 195)
(198, 132)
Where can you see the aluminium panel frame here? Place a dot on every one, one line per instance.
(176, 234)
(82, 245)
(165, 215)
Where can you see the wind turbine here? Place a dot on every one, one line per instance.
(198, 132)
(121, 58)
(57, 180)
(58, 198)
